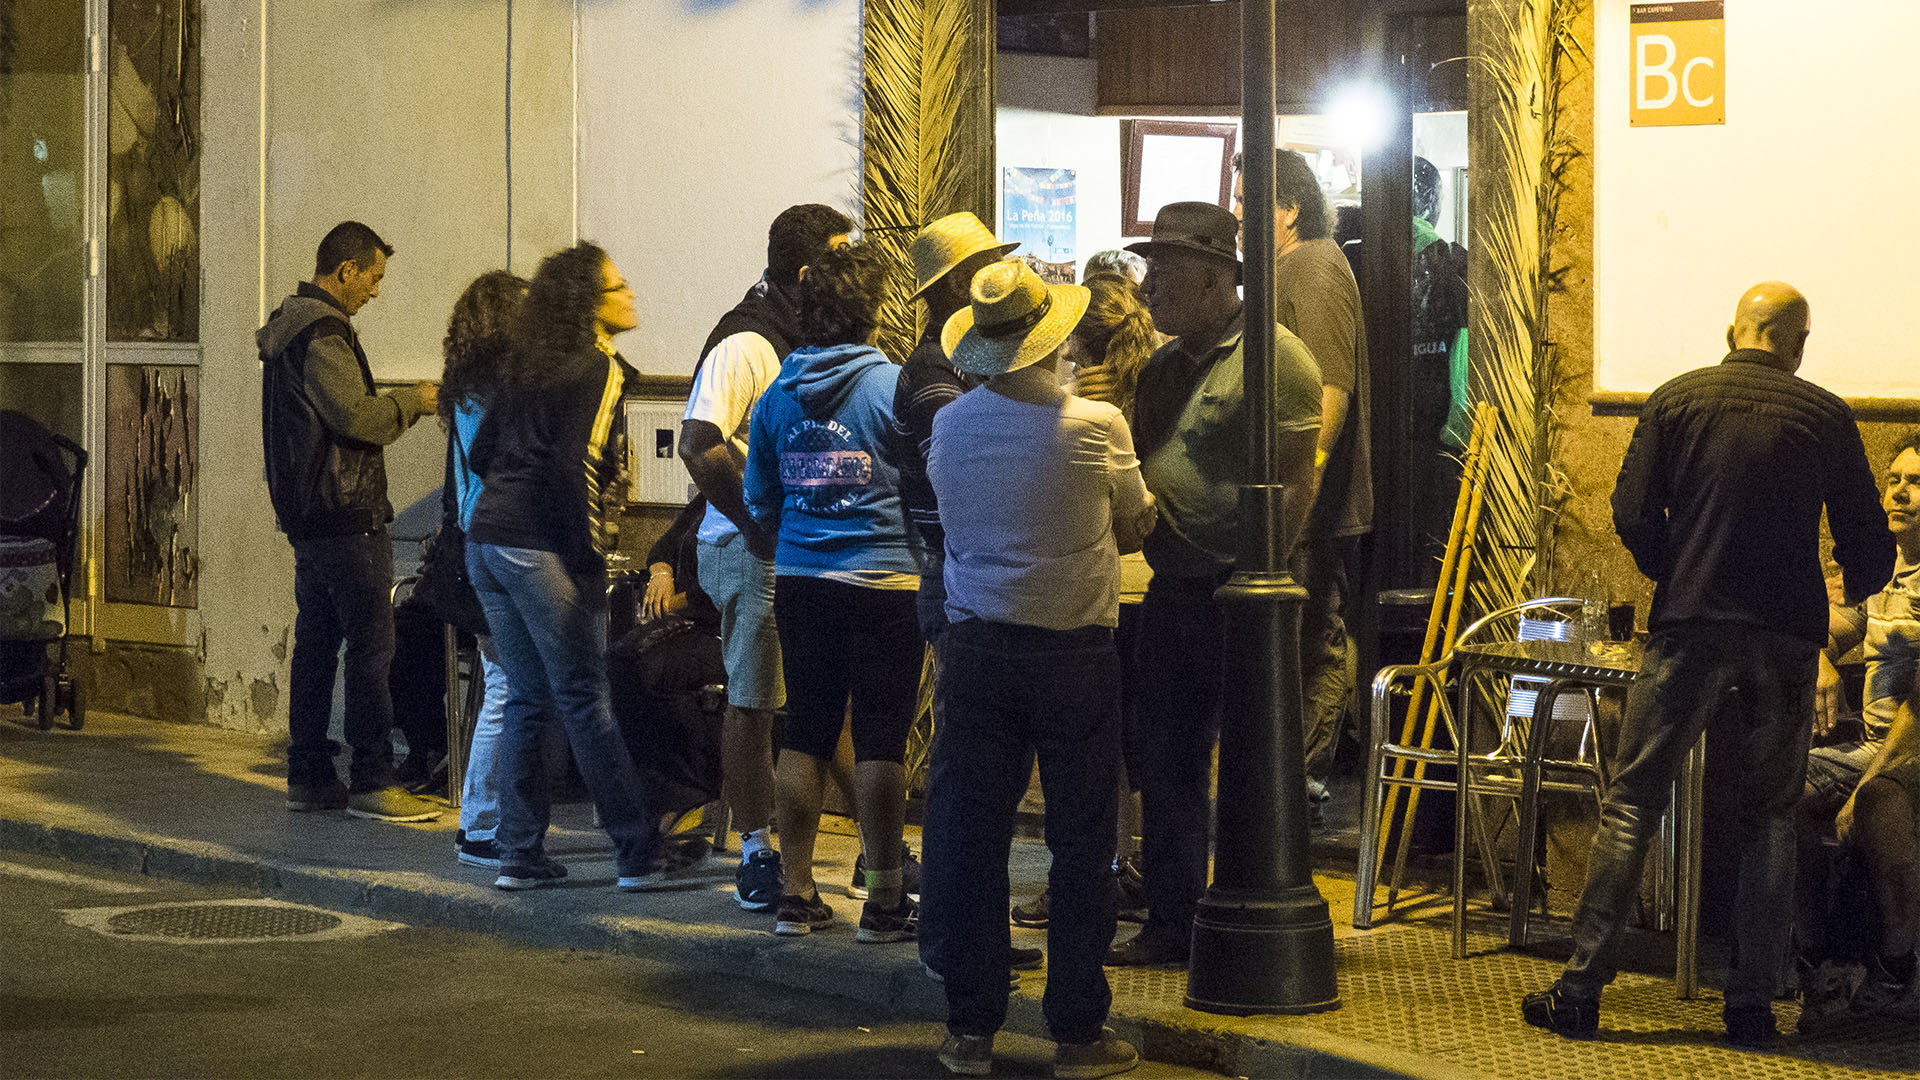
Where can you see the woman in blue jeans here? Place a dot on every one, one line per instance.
(551, 450)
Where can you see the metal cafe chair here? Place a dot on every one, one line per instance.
(1497, 773)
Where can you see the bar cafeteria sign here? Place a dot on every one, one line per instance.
(1679, 63)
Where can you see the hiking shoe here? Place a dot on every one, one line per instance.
(1881, 993)
(968, 1055)
(475, 852)
(1034, 913)
(1751, 1026)
(1826, 997)
(909, 875)
(1084, 1061)
(879, 925)
(311, 798)
(801, 915)
(390, 804)
(673, 860)
(1565, 1016)
(1129, 889)
(515, 877)
(757, 883)
(1145, 949)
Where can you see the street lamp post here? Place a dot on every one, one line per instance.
(1262, 938)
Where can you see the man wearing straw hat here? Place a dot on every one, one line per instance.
(1039, 493)
(1191, 422)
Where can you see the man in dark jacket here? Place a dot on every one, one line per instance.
(323, 426)
(1719, 503)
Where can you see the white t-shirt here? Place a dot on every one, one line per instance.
(1028, 495)
(732, 377)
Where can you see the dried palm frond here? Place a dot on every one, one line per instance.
(927, 136)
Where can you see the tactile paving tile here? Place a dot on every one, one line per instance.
(1400, 988)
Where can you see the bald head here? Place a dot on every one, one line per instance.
(1772, 317)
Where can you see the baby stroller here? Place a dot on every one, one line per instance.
(40, 475)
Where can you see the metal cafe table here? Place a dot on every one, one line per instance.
(1571, 666)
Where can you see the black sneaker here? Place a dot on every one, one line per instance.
(475, 852)
(1033, 914)
(515, 876)
(1751, 1027)
(1147, 949)
(1129, 889)
(1561, 1014)
(673, 860)
(879, 925)
(909, 875)
(801, 915)
(757, 883)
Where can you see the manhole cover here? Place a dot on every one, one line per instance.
(222, 921)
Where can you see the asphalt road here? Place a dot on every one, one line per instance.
(402, 1001)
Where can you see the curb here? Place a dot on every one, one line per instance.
(1171, 1036)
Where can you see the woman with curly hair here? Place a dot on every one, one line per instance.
(551, 450)
(1112, 342)
(819, 478)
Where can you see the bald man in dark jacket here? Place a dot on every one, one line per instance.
(1719, 502)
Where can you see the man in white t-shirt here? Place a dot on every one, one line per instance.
(738, 363)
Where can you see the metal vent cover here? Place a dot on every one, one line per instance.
(224, 922)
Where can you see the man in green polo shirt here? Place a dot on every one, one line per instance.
(1190, 430)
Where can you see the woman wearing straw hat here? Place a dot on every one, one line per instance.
(1039, 492)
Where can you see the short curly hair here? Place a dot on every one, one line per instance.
(841, 295)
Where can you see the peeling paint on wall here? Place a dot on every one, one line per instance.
(265, 699)
(153, 515)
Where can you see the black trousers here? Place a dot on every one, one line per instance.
(340, 586)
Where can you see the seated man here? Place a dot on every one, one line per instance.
(1876, 776)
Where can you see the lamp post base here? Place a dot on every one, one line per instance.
(1262, 953)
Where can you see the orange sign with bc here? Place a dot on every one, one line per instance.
(1679, 54)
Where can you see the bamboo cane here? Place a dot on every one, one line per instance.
(1456, 536)
(1456, 601)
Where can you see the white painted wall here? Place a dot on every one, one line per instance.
(1810, 180)
(699, 122)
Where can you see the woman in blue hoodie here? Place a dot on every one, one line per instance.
(818, 476)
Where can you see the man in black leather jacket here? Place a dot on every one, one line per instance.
(323, 426)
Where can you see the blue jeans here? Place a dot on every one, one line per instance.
(550, 629)
(340, 588)
(1751, 691)
(1012, 692)
(480, 785)
(1178, 715)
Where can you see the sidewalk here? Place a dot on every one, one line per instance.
(206, 805)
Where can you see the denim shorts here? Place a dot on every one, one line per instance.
(741, 586)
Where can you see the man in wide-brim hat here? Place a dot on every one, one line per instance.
(1190, 426)
(1039, 494)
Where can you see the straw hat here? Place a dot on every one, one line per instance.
(946, 243)
(1015, 320)
(1199, 228)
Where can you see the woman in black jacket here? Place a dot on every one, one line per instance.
(552, 451)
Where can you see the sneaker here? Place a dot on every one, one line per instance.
(1129, 889)
(1084, 1061)
(673, 860)
(757, 883)
(968, 1055)
(475, 852)
(1033, 914)
(909, 875)
(311, 798)
(1750, 1027)
(1826, 997)
(1145, 949)
(801, 915)
(390, 804)
(879, 925)
(515, 877)
(1881, 993)
(1317, 799)
(1560, 1014)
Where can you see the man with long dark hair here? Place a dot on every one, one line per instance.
(323, 425)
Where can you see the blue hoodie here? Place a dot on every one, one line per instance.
(819, 472)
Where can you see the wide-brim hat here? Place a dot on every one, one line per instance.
(1014, 321)
(1198, 228)
(946, 243)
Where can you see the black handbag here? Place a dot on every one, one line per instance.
(443, 560)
